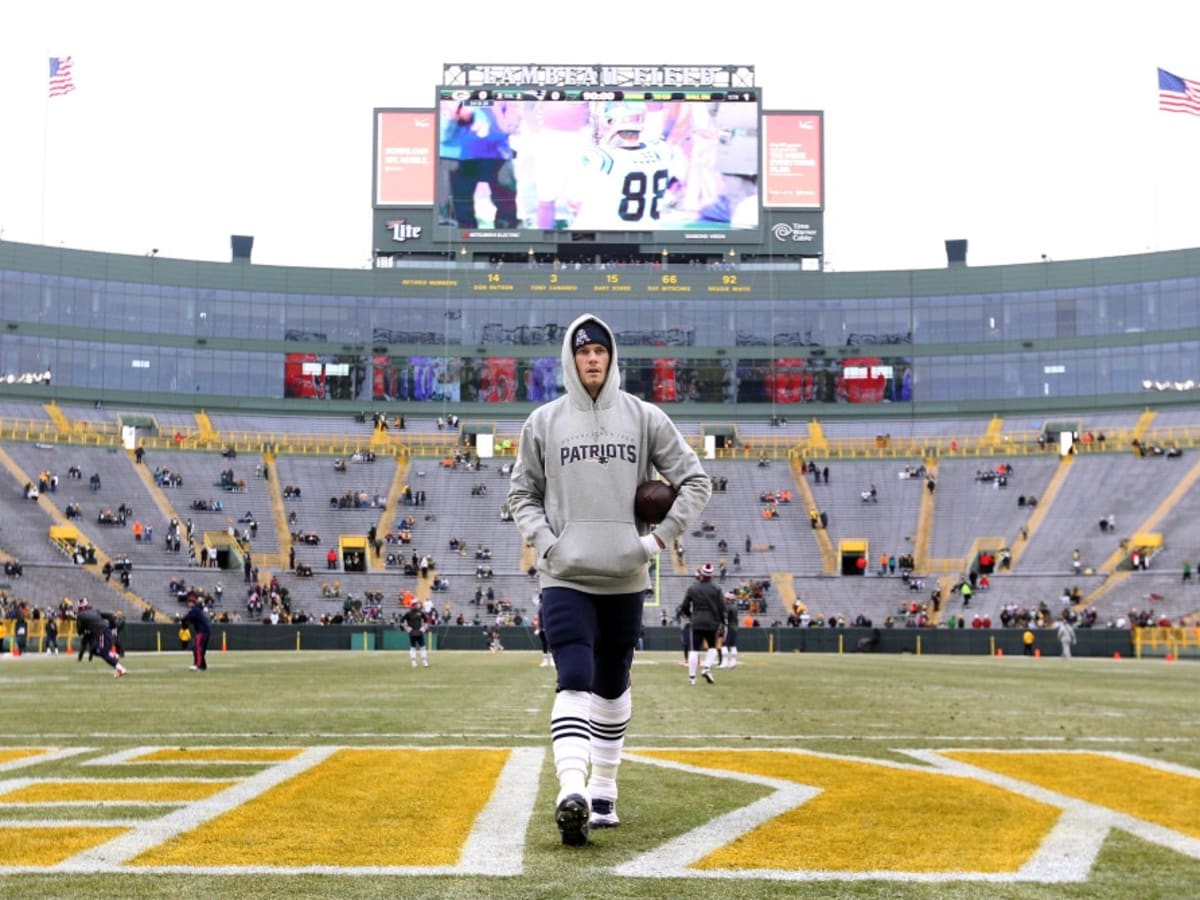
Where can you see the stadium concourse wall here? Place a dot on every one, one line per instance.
(967, 642)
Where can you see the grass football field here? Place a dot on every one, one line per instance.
(312, 774)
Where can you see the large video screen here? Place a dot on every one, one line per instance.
(598, 161)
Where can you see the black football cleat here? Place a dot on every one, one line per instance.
(571, 815)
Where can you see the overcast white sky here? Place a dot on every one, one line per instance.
(1028, 128)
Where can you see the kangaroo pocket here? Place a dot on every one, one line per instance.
(595, 548)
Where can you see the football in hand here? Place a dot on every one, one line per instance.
(653, 501)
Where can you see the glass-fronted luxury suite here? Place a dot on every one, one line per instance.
(732, 340)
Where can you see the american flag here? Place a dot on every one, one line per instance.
(1177, 94)
(60, 76)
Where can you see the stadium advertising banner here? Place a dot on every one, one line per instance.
(500, 379)
(793, 174)
(674, 165)
(793, 232)
(405, 148)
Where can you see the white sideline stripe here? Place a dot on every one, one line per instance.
(130, 757)
(496, 844)
(157, 831)
(51, 755)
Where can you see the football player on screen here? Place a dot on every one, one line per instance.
(476, 150)
(627, 184)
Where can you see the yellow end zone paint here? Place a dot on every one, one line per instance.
(219, 754)
(390, 807)
(50, 846)
(877, 818)
(1166, 798)
(15, 753)
(115, 791)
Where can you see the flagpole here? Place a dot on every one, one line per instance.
(1156, 149)
(45, 143)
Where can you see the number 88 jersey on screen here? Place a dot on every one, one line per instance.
(626, 183)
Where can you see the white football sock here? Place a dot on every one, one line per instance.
(609, 719)
(570, 736)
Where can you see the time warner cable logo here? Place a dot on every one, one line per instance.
(403, 231)
(794, 231)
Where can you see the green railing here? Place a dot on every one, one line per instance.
(83, 433)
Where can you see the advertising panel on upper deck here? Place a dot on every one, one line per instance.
(405, 157)
(793, 176)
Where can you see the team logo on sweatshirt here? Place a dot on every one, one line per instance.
(602, 453)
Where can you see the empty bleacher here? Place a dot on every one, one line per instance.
(967, 508)
(1144, 493)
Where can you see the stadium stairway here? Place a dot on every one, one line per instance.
(58, 417)
(278, 514)
(784, 584)
(1046, 501)
(1145, 420)
(925, 521)
(165, 507)
(993, 435)
(388, 514)
(206, 429)
(828, 553)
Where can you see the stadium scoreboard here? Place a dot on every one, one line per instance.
(571, 160)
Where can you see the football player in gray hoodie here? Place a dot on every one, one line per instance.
(578, 466)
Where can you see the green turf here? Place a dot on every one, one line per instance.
(867, 706)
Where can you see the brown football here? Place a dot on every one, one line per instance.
(653, 501)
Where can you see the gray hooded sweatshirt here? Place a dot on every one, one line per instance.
(580, 462)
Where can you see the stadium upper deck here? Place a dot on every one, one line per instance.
(735, 342)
